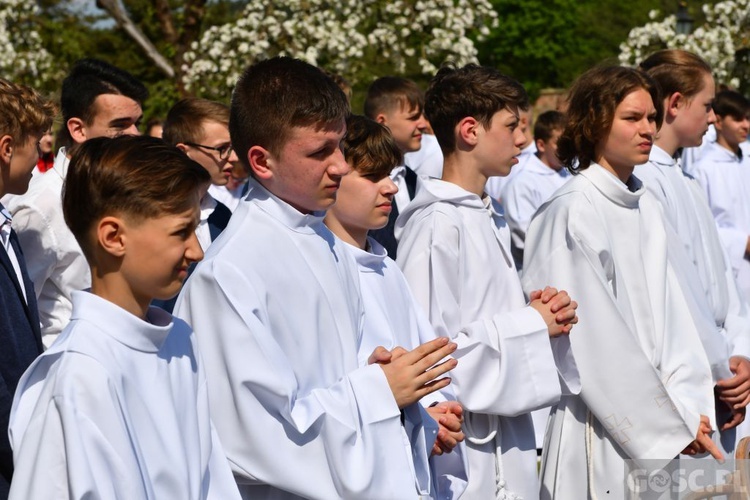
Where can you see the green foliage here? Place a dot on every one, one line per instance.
(548, 43)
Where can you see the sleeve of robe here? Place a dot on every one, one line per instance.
(651, 415)
(505, 364)
(75, 445)
(732, 236)
(329, 443)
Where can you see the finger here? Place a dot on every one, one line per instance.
(547, 294)
(736, 420)
(451, 424)
(735, 392)
(379, 355)
(536, 294)
(431, 387)
(732, 382)
(436, 449)
(397, 352)
(565, 316)
(425, 349)
(559, 302)
(436, 371)
(447, 443)
(434, 357)
(711, 447)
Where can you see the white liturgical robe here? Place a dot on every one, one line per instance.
(717, 296)
(644, 374)
(725, 177)
(117, 409)
(275, 306)
(524, 194)
(455, 253)
(394, 319)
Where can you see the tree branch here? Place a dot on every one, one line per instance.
(123, 21)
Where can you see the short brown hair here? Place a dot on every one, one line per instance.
(184, 122)
(276, 94)
(547, 123)
(592, 102)
(676, 70)
(24, 113)
(369, 147)
(476, 91)
(388, 92)
(134, 176)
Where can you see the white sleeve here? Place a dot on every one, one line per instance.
(66, 452)
(328, 443)
(505, 363)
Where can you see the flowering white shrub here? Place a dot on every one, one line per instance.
(22, 57)
(354, 38)
(723, 41)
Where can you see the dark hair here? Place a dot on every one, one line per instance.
(731, 103)
(592, 102)
(184, 122)
(676, 70)
(274, 95)
(476, 91)
(369, 147)
(135, 176)
(547, 123)
(389, 92)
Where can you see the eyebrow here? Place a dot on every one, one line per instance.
(124, 121)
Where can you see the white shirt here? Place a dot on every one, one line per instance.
(276, 308)
(725, 177)
(5, 229)
(54, 260)
(117, 409)
(524, 194)
(428, 160)
(392, 319)
(202, 232)
(454, 250)
(644, 374)
(230, 198)
(495, 185)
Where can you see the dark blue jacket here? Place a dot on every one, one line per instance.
(21, 344)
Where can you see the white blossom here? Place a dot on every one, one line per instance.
(720, 41)
(348, 36)
(22, 57)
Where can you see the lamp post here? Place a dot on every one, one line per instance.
(684, 21)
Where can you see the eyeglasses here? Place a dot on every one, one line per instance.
(224, 151)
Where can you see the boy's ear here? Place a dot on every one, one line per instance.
(541, 146)
(109, 234)
(77, 130)
(6, 149)
(262, 163)
(381, 118)
(468, 130)
(182, 147)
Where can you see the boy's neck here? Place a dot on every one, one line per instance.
(463, 171)
(110, 286)
(722, 141)
(354, 236)
(667, 140)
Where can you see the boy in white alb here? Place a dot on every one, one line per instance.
(393, 319)
(542, 175)
(687, 86)
(277, 310)
(117, 407)
(724, 173)
(455, 253)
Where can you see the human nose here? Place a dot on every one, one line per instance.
(233, 158)
(131, 130)
(338, 167)
(388, 187)
(519, 137)
(711, 116)
(193, 250)
(422, 122)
